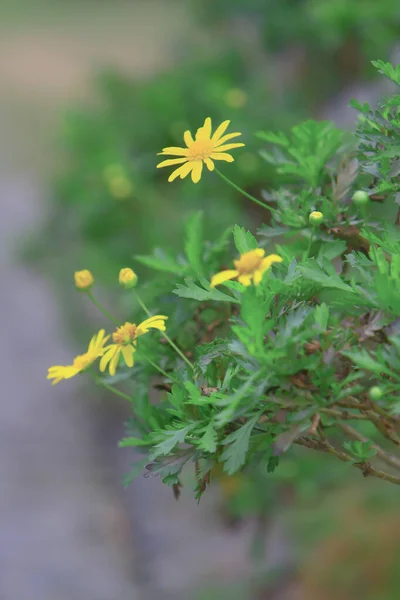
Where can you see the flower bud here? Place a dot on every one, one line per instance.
(360, 198)
(83, 280)
(315, 218)
(127, 278)
(375, 393)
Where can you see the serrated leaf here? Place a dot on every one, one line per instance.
(192, 290)
(194, 242)
(171, 439)
(208, 442)
(160, 261)
(234, 456)
(331, 279)
(244, 240)
(321, 316)
(363, 360)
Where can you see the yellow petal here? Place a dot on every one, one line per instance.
(155, 322)
(225, 138)
(171, 161)
(258, 251)
(209, 163)
(223, 276)
(114, 361)
(228, 147)
(197, 170)
(107, 356)
(187, 136)
(269, 260)
(127, 353)
(245, 280)
(222, 156)
(174, 151)
(181, 172)
(220, 131)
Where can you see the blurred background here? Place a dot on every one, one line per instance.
(90, 91)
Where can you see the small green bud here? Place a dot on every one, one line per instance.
(315, 218)
(360, 198)
(375, 393)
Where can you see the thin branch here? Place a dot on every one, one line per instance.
(389, 459)
(365, 467)
(343, 414)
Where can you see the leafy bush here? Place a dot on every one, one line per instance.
(300, 351)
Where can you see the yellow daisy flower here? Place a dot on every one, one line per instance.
(81, 362)
(125, 342)
(250, 266)
(205, 148)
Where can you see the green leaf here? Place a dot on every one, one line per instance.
(208, 442)
(331, 250)
(360, 450)
(194, 242)
(365, 361)
(331, 279)
(321, 316)
(160, 261)
(192, 290)
(171, 439)
(278, 138)
(388, 69)
(234, 456)
(244, 240)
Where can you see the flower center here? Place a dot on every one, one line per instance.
(200, 149)
(248, 263)
(125, 334)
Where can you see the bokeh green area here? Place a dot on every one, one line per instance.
(264, 65)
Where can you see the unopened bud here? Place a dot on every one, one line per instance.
(375, 393)
(315, 218)
(127, 278)
(360, 198)
(83, 279)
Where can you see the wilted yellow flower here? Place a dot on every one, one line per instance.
(81, 362)
(83, 279)
(203, 149)
(125, 342)
(118, 182)
(120, 187)
(127, 278)
(236, 98)
(250, 266)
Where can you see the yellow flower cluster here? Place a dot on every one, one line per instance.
(124, 344)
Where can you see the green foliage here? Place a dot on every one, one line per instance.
(250, 376)
(291, 361)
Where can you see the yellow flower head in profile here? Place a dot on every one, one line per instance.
(249, 267)
(205, 148)
(125, 342)
(81, 362)
(127, 278)
(83, 279)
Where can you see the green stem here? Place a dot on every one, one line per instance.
(113, 390)
(239, 189)
(165, 335)
(310, 243)
(101, 308)
(159, 369)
